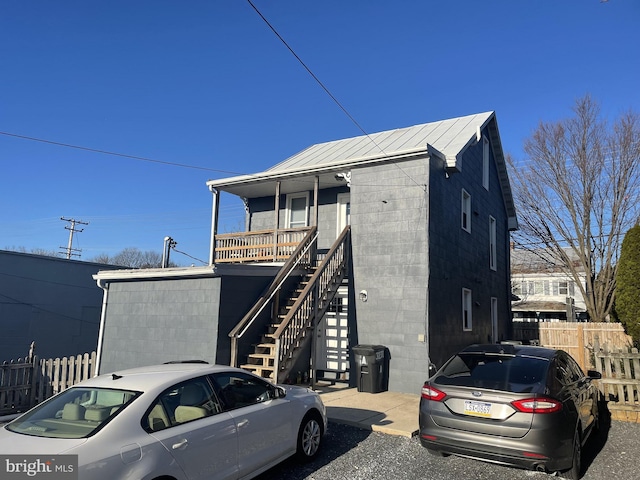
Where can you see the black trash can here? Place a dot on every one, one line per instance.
(372, 366)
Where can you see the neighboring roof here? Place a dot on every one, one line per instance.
(447, 139)
(541, 306)
(540, 261)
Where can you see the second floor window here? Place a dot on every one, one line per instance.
(466, 310)
(297, 210)
(466, 211)
(485, 162)
(493, 264)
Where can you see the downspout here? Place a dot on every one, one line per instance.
(215, 208)
(427, 186)
(103, 316)
(316, 294)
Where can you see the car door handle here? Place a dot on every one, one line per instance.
(243, 423)
(180, 445)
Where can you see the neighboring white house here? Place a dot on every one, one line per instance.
(543, 291)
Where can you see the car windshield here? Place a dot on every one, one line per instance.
(496, 372)
(75, 413)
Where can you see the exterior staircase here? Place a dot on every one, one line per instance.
(290, 327)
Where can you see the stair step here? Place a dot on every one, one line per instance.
(262, 356)
(266, 346)
(265, 372)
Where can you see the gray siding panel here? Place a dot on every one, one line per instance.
(461, 260)
(156, 321)
(389, 210)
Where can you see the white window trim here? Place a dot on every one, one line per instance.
(290, 198)
(486, 155)
(494, 319)
(467, 310)
(493, 250)
(465, 202)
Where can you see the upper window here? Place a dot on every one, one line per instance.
(566, 287)
(492, 244)
(466, 211)
(466, 310)
(485, 162)
(297, 210)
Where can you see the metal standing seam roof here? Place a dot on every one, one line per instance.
(447, 139)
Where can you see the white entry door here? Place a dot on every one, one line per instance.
(332, 352)
(344, 212)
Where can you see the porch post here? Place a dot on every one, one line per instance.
(215, 208)
(316, 187)
(276, 222)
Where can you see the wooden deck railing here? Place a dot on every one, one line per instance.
(258, 246)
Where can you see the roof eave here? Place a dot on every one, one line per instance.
(271, 175)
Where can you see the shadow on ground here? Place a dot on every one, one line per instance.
(598, 439)
(333, 446)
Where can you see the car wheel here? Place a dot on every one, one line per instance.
(576, 469)
(309, 438)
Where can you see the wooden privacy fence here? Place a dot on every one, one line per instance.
(25, 382)
(578, 339)
(604, 347)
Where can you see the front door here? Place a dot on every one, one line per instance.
(332, 352)
(344, 212)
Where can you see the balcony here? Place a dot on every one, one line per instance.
(259, 246)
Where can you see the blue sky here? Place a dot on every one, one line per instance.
(208, 85)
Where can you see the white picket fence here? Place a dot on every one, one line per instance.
(27, 381)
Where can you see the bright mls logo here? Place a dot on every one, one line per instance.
(59, 467)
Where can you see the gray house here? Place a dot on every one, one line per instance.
(398, 239)
(51, 301)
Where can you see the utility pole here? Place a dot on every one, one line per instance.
(72, 229)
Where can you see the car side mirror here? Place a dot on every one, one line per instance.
(280, 392)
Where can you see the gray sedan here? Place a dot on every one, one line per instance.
(515, 405)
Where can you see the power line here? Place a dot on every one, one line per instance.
(116, 154)
(328, 92)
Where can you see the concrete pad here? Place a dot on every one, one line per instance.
(386, 412)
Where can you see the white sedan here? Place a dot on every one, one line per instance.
(173, 421)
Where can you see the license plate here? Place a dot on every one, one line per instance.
(479, 409)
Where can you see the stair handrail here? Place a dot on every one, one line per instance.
(283, 274)
(339, 246)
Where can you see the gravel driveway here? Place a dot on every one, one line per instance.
(353, 454)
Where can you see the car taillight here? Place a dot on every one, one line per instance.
(537, 405)
(431, 393)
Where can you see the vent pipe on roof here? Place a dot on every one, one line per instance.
(169, 243)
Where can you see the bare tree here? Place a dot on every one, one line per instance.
(134, 258)
(577, 193)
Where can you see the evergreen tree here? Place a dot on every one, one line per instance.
(627, 296)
